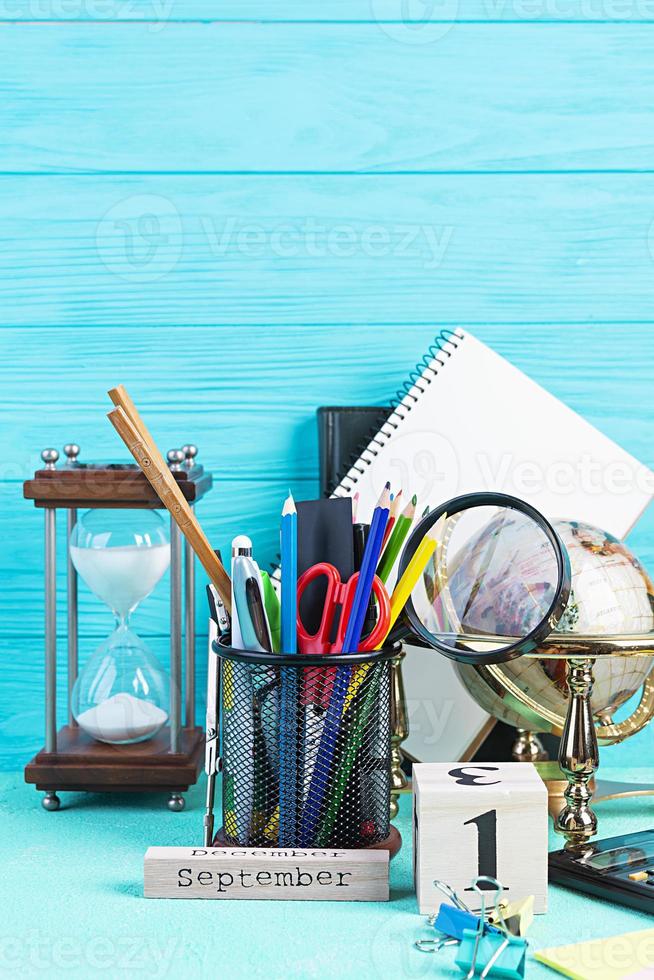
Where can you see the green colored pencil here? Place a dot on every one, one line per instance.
(273, 611)
(360, 715)
(396, 540)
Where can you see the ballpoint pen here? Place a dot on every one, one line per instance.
(248, 601)
(241, 726)
(257, 612)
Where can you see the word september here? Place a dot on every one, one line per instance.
(220, 873)
(223, 880)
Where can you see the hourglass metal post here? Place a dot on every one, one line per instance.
(50, 457)
(71, 451)
(175, 460)
(190, 452)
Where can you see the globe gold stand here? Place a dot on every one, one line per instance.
(581, 737)
(601, 789)
(528, 747)
(578, 758)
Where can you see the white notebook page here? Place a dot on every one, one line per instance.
(475, 422)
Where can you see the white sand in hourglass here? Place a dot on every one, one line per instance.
(122, 718)
(121, 577)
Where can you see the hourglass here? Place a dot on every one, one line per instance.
(122, 694)
(131, 723)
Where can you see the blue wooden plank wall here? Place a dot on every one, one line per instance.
(246, 210)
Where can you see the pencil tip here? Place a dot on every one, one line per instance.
(414, 499)
(387, 485)
(289, 506)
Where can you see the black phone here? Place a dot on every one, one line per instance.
(618, 869)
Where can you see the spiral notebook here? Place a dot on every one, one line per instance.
(468, 420)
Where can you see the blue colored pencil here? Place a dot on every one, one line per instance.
(321, 772)
(288, 716)
(367, 573)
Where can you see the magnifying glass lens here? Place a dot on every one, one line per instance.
(492, 580)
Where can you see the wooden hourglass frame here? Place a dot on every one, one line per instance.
(71, 760)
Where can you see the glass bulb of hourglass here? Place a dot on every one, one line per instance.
(122, 693)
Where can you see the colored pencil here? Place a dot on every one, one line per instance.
(288, 719)
(407, 583)
(396, 540)
(401, 593)
(322, 770)
(273, 611)
(367, 573)
(392, 517)
(355, 740)
(289, 576)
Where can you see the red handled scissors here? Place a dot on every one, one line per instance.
(341, 594)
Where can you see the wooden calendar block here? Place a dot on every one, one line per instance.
(479, 819)
(316, 874)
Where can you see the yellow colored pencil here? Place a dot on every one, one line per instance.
(407, 583)
(401, 593)
(272, 827)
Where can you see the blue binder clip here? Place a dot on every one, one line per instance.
(443, 923)
(451, 921)
(490, 951)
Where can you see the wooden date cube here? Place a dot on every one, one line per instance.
(472, 819)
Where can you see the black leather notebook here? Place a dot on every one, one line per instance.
(343, 431)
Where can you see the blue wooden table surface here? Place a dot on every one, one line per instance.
(77, 906)
(243, 211)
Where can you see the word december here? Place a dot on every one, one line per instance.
(227, 853)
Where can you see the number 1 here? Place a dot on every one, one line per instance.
(486, 825)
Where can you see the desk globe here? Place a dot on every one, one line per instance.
(609, 619)
(612, 595)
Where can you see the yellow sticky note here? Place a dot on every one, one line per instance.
(615, 958)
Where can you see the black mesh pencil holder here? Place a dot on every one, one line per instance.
(306, 748)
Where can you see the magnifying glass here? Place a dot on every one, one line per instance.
(496, 585)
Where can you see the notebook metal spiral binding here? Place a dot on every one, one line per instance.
(421, 377)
